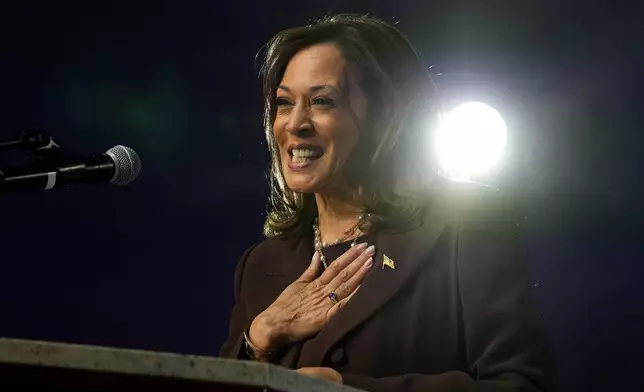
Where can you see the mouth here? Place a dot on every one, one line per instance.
(303, 155)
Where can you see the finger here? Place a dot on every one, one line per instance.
(352, 268)
(341, 262)
(311, 271)
(313, 372)
(334, 310)
(346, 288)
(305, 370)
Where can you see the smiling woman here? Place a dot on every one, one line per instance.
(448, 306)
(328, 85)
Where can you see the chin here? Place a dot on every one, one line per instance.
(301, 185)
(310, 180)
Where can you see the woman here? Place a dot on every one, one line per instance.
(367, 279)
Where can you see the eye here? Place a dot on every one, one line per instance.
(282, 101)
(324, 101)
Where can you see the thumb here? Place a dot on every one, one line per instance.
(312, 271)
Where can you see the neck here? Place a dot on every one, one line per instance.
(335, 216)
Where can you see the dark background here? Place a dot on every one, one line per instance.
(150, 266)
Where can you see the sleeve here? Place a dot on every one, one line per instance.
(232, 347)
(505, 345)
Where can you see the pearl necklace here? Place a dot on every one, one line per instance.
(318, 245)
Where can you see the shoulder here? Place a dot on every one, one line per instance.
(469, 211)
(470, 203)
(270, 250)
(271, 246)
(488, 233)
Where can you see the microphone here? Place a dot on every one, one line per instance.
(119, 165)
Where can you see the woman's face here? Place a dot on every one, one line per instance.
(320, 109)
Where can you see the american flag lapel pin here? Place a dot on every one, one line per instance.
(387, 262)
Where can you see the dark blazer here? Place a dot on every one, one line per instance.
(455, 314)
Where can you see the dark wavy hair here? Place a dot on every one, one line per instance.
(387, 164)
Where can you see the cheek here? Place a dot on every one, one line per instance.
(278, 131)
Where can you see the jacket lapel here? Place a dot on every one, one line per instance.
(408, 249)
(290, 258)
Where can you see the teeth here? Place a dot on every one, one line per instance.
(303, 153)
(300, 159)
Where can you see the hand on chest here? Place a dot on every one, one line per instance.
(384, 275)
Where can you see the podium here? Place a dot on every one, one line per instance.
(74, 367)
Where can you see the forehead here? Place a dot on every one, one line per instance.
(317, 64)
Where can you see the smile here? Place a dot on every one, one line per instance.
(303, 156)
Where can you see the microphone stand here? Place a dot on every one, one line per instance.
(28, 141)
(36, 143)
(46, 153)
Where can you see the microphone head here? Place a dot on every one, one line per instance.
(127, 164)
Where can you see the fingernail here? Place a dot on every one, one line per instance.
(370, 250)
(368, 263)
(361, 246)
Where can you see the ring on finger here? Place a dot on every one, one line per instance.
(333, 297)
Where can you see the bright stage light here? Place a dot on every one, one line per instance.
(470, 140)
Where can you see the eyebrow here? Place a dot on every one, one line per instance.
(312, 89)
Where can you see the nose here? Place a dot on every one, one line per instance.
(299, 121)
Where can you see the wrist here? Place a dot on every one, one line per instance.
(265, 334)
